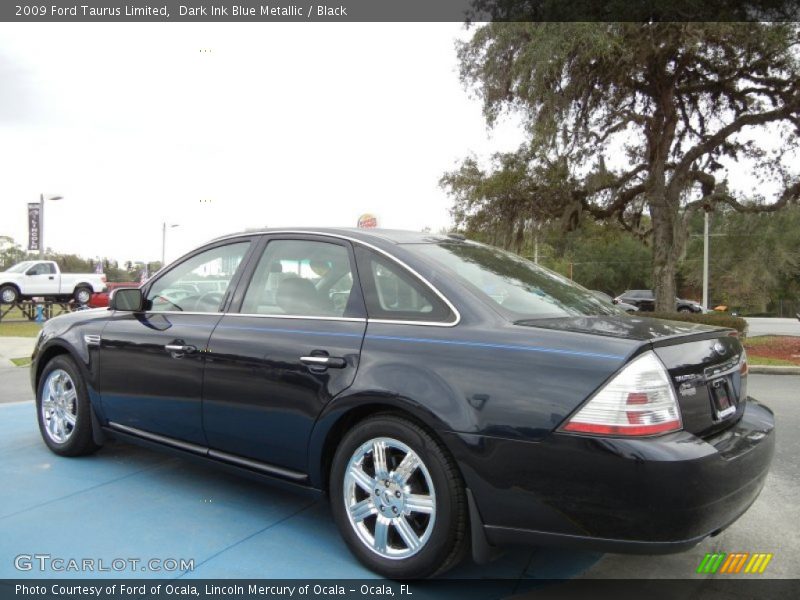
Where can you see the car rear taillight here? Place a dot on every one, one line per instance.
(637, 401)
(743, 368)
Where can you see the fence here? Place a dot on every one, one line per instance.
(29, 310)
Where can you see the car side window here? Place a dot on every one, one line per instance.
(392, 293)
(41, 269)
(198, 284)
(302, 278)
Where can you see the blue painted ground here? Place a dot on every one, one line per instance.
(128, 502)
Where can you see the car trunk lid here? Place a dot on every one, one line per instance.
(705, 363)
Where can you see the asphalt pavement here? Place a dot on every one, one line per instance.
(14, 347)
(772, 326)
(772, 525)
(15, 384)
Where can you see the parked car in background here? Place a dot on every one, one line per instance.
(623, 305)
(34, 278)
(645, 301)
(100, 299)
(442, 393)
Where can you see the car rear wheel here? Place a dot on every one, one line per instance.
(398, 499)
(62, 405)
(684, 309)
(82, 295)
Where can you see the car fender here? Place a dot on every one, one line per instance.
(424, 396)
(83, 284)
(80, 342)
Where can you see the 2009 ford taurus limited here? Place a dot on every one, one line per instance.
(445, 394)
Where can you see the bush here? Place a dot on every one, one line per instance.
(715, 319)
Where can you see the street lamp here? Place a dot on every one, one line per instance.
(42, 198)
(164, 239)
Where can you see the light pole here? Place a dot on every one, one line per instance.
(42, 198)
(706, 213)
(164, 240)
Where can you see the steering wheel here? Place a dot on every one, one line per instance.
(214, 298)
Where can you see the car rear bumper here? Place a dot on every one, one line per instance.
(650, 496)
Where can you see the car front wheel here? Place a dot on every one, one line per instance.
(398, 499)
(62, 405)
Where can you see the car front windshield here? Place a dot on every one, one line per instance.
(518, 287)
(21, 267)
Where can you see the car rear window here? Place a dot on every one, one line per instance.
(516, 286)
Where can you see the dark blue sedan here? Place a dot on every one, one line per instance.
(448, 396)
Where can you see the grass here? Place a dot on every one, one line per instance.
(760, 340)
(769, 362)
(22, 362)
(24, 329)
(14, 314)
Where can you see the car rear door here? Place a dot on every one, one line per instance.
(290, 343)
(151, 362)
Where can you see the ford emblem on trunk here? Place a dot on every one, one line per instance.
(719, 348)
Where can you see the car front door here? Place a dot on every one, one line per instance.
(151, 362)
(41, 279)
(291, 342)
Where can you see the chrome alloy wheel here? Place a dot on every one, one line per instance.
(9, 295)
(389, 498)
(59, 406)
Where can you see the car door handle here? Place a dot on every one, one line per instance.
(331, 362)
(180, 348)
(51, 277)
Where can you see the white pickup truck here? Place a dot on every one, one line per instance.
(34, 278)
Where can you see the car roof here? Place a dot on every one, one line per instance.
(394, 236)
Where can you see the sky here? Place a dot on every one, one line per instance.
(222, 127)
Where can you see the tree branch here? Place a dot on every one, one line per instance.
(722, 134)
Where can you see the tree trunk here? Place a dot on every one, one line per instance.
(665, 256)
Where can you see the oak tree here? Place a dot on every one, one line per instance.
(639, 118)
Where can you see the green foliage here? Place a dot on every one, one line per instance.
(603, 257)
(754, 259)
(715, 319)
(10, 253)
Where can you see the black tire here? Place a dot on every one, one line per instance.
(79, 442)
(448, 541)
(82, 294)
(9, 294)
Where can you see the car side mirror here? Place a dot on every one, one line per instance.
(31, 272)
(128, 299)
